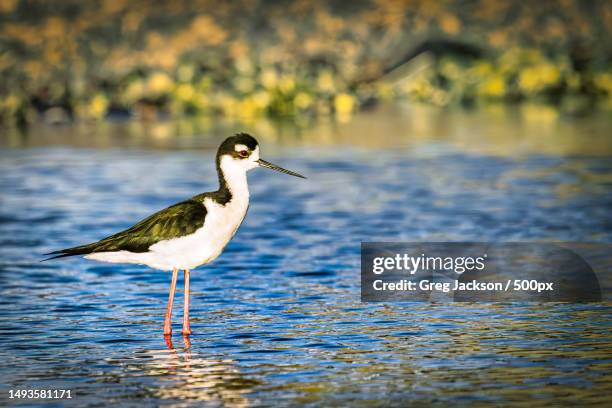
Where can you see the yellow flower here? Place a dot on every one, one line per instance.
(302, 100)
(159, 83)
(133, 92)
(11, 103)
(98, 106)
(481, 69)
(494, 86)
(539, 77)
(248, 108)
(184, 92)
(603, 81)
(325, 82)
(269, 78)
(529, 79)
(344, 104)
(262, 99)
(286, 84)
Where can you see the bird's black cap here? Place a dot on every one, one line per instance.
(227, 147)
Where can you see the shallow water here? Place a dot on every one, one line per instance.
(277, 318)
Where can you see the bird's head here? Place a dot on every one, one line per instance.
(241, 153)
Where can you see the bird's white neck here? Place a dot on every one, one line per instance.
(234, 174)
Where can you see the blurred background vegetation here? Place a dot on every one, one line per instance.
(73, 60)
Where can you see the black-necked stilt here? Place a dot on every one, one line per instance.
(190, 233)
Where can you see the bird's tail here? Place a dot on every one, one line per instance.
(79, 250)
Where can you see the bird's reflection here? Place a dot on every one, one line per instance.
(183, 374)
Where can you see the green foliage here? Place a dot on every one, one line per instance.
(301, 58)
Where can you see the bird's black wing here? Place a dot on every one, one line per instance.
(175, 221)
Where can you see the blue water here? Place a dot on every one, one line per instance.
(277, 319)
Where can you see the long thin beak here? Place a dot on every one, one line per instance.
(269, 165)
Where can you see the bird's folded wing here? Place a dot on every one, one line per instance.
(173, 222)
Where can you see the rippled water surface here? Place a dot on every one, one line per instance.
(277, 318)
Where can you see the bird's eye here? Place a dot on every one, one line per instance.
(243, 153)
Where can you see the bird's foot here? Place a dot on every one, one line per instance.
(168, 341)
(186, 341)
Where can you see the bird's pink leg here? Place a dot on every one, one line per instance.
(168, 320)
(186, 329)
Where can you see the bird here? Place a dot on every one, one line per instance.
(191, 233)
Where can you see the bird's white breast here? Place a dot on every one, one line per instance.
(207, 243)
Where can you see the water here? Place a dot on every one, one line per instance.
(277, 318)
